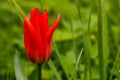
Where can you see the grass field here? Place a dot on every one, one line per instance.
(86, 44)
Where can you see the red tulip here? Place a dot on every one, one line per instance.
(38, 36)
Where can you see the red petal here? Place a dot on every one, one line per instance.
(52, 29)
(48, 51)
(47, 48)
(40, 22)
(32, 41)
(35, 12)
(43, 24)
(48, 39)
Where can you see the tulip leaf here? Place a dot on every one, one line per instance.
(19, 72)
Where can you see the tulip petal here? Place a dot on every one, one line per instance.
(32, 41)
(38, 36)
(40, 21)
(48, 39)
(52, 29)
(48, 51)
(43, 24)
(35, 12)
(26, 42)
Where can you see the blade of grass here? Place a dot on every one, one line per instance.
(115, 63)
(58, 55)
(78, 61)
(86, 44)
(17, 7)
(100, 43)
(54, 70)
(41, 4)
(72, 33)
(80, 18)
(73, 42)
(105, 37)
(7, 76)
(19, 72)
(119, 3)
(89, 20)
(113, 17)
(13, 9)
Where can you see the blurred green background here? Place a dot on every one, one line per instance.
(74, 33)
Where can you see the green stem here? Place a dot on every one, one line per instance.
(39, 71)
(100, 42)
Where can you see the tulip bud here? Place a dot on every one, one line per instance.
(38, 36)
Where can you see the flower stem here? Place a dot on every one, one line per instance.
(39, 71)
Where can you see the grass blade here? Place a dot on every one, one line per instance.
(54, 70)
(86, 44)
(58, 55)
(17, 7)
(78, 60)
(115, 64)
(100, 43)
(105, 37)
(19, 72)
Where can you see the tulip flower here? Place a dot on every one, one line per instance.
(38, 36)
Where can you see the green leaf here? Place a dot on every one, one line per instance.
(19, 72)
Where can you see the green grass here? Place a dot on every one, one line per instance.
(88, 24)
